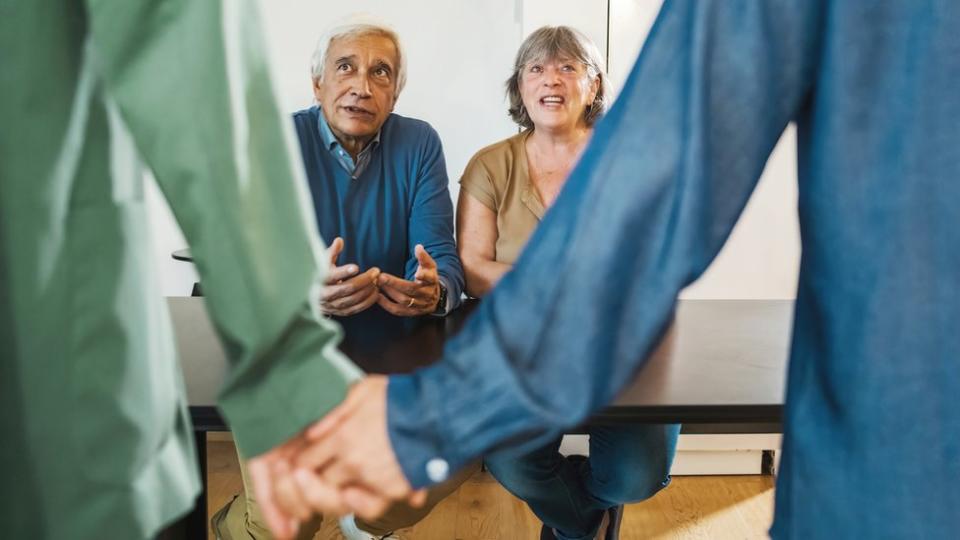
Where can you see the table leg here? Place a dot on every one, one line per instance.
(197, 519)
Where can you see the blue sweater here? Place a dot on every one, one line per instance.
(399, 200)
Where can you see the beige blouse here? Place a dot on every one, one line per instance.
(497, 176)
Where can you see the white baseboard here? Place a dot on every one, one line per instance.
(697, 454)
(717, 462)
(706, 454)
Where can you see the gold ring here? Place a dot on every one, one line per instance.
(410, 303)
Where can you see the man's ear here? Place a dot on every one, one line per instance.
(393, 104)
(317, 87)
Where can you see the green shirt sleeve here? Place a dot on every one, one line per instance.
(191, 82)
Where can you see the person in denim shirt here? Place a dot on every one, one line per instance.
(871, 444)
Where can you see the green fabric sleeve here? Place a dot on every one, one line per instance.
(191, 82)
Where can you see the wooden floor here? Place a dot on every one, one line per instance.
(707, 507)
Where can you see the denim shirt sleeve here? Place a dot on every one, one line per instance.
(431, 219)
(648, 207)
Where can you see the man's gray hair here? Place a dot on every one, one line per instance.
(549, 43)
(356, 30)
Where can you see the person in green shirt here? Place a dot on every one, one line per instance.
(97, 442)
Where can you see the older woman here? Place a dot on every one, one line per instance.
(557, 92)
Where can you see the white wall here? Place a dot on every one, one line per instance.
(176, 277)
(459, 55)
(630, 21)
(588, 16)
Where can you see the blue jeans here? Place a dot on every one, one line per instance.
(626, 464)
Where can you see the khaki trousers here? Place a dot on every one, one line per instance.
(244, 521)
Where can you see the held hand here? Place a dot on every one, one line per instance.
(350, 450)
(411, 298)
(283, 503)
(277, 492)
(346, 292)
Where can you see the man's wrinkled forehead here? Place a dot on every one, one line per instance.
(354, 49)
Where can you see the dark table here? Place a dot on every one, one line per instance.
(182, 255)
(720, 368)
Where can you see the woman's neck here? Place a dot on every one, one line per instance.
(550, 156)
(560, 142)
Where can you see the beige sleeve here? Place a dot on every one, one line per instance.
(477, 180)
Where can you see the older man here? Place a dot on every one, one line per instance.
(378, 180)
(379, 187)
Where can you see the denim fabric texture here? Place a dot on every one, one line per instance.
(627, 464)
(871, 446)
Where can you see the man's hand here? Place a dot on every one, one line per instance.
(282, 502)
(349, 450)
(277, 493)
(346, 292)
(411, 298)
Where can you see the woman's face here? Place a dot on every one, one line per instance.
(556, 93)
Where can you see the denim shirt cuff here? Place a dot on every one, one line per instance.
(413, 427)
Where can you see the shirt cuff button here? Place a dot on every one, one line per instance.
(437, 470)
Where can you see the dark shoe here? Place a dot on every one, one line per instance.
(614, 517)
(546, 533)
(611, 520)
(217, 520)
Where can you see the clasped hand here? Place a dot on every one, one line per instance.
(342, 464)
(347, 291)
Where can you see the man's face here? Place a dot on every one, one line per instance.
(359, 81)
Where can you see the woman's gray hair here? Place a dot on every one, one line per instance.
(552, 42)
(356, 30)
